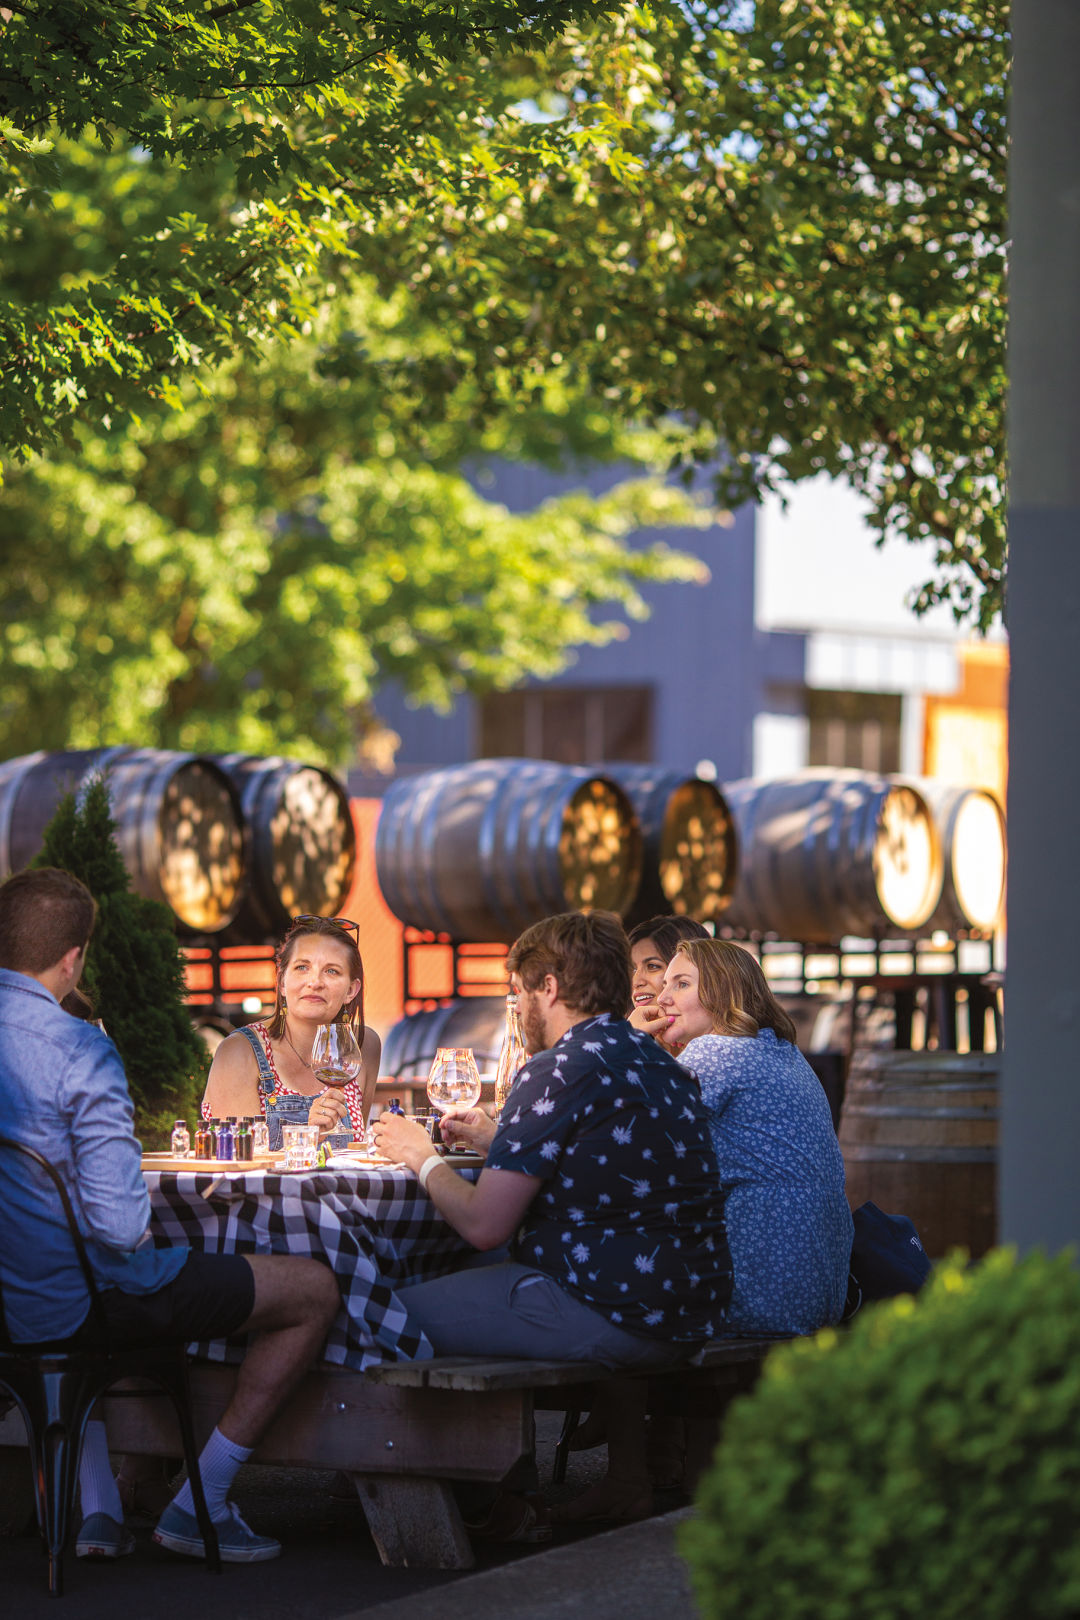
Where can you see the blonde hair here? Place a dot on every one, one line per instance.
(352, 1013)
(734, 991)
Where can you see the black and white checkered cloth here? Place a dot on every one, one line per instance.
(375, 1228)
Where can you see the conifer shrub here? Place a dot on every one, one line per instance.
(134, 973)
(922, 1465)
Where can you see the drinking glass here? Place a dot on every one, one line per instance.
(454, 1080)
(335, 1056)
(301, 1143)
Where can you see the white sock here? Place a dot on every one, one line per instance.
(97, 1487)
(218, 1464)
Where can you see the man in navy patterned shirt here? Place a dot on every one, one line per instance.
(600, 1176)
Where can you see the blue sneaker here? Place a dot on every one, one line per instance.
(237, 1541)
(102, 1537)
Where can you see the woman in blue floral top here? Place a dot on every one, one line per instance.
(788, 1223)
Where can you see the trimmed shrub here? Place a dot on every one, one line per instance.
(134, 973)
(924, 1463)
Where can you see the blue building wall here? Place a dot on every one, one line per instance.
(698, 650)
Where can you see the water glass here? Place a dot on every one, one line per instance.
(301, 1144)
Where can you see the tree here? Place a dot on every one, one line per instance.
(296, 123)
(800, 256)
(243, 571)
(134, 972)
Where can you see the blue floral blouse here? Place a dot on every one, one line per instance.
(630, 1217)
(788, 1222)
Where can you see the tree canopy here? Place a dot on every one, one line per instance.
(244, 571)
(800, 259)
(299, 124)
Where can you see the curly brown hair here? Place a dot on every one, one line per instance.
(320, 928)
(587, 952)
(734, 990)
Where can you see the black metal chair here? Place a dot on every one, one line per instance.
(55, 1386)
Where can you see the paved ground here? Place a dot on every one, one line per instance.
(330, 1569)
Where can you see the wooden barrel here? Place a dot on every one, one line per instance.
(828, 853)
(689, 843)
(919, 1133)
(177, 817)
(301, 842)
(481, 851)
(971, 828)
(475, 1021)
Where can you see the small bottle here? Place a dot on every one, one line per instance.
(204, 1140)
(260, 1136)
(225, 1143)
(394, 1106)
(181, 1140)
(512, 1055)
(242, 1144)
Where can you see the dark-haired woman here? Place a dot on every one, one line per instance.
(788, 1223)
(266, 1068)
(652, 945)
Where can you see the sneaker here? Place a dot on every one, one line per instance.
(237, 1542)
(102, 1537)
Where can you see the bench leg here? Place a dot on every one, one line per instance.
(414, 1522)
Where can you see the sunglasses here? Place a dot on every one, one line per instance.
(338, 922)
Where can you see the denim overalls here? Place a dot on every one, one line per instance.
(286, 1108)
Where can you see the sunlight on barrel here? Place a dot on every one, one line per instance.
(302, 842)
(971, 827)
(481, 851)
(689, 843)
(828, 853)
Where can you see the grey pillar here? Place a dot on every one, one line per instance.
(1040, 1150)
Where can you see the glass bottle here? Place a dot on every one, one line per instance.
(204, 1140)
(181, 1140)
(260, 1136)
(242, 1144)
(225, 1144)
(512, 1055)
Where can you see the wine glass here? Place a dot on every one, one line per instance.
(454, 1079)
(335, 1055)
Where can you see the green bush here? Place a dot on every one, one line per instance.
(134, 972)
(924, 1463)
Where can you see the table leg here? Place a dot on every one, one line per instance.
(415, 1523)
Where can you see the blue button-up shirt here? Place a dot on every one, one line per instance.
(63, 1091)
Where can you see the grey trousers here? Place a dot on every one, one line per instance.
(507, 1309)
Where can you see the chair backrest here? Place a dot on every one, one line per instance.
(8, 1144)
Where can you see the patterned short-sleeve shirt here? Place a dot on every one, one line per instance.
(630, 1218)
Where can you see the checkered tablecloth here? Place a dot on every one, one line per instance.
(376, 1228)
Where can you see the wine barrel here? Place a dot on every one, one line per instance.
(481, 851)
(828, 853)
(177, 823)
(301, 842)
(971, 827)
(689, 843)
(476, 1021)
(919, 1133)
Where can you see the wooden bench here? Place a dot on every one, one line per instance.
(404, 1430)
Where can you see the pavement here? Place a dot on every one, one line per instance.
(330, 1570)
(633, 1573)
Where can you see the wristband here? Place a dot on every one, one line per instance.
(429, 1164)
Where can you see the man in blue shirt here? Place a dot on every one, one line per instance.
(600, 1175)
(63, 1091)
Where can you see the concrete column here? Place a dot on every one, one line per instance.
(1040, 1150)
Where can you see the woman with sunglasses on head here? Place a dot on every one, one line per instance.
(266, 1068)
(788, 1223)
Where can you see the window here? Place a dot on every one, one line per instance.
(860, 730)
(573, 725)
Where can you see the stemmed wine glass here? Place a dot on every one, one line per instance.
(335, 1055)
(454, 1079)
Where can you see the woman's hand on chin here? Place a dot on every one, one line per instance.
(651, 1019)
